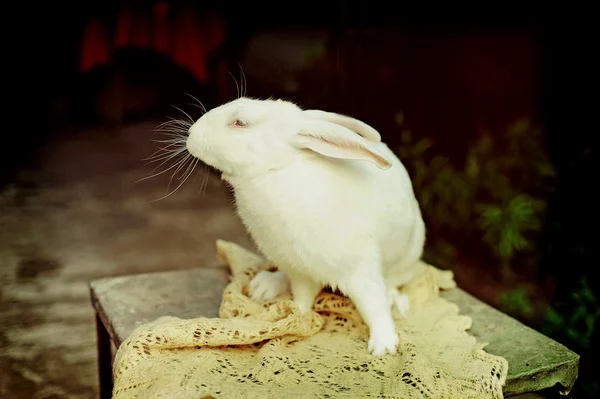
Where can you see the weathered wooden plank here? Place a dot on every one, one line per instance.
(127, 302)
(535, 361)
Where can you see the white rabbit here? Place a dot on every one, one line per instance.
(323, 199)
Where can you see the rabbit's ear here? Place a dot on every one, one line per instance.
(336, 141)
(355, 125)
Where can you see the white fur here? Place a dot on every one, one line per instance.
(323, 211)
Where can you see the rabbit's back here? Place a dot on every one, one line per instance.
(330, 212)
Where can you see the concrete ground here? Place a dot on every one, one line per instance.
(77, 215)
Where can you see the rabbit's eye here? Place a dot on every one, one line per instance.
(239, 123)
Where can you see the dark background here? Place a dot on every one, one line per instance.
(452, 72)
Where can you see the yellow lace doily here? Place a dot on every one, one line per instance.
(270, 350)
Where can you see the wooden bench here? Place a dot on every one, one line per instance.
(536, 362)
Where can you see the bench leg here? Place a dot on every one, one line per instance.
(104, 360)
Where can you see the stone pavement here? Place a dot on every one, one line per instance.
(77, 215)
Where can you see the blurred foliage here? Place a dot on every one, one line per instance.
(440, 253)
(578, 323)
(573, 321)
(499, 194)
(497, 198)
(517, 302)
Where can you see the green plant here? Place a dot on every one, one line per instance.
(505, 226)
(440, 253)
(498, 194)
(517, 302)
(579, 323)
(497, 197)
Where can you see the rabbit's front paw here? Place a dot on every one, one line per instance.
(383, 341)
(268, 285)
(400, 302)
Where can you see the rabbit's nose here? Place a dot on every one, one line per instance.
(193, 142)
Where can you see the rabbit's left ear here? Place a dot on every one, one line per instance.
(335, 141)
(367, 131)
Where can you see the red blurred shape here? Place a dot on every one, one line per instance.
(189, 48)
(216, 32)
(161, 27)
(188, 40)
(122, 33)
(95, 47)
(141, 34)
(134, 28)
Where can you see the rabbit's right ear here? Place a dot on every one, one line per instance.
(353, 124)
(335, 141)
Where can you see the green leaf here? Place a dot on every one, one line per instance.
(422, 146)
(517, 301)
(579, 313)
(587, 294)
(490, 215)
(520, 127)
(403, 152)
(505, 248)
(425, 197)
(544, 169)
(516, 239)
(420, 173)
(472, 167)
(441, 254)
(576, 336)
(590, 321)
(438, 161)
(485, 143)
(554, 318)
(400, 118)
(406, 136)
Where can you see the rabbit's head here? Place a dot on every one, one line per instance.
(248, 137)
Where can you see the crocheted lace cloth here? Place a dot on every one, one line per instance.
(271, 350)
